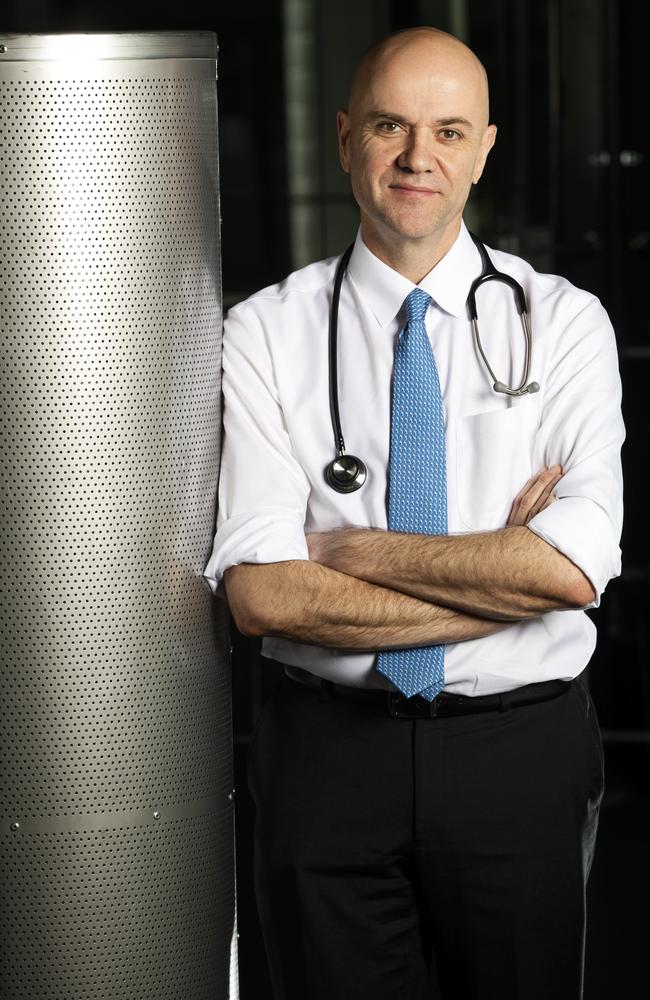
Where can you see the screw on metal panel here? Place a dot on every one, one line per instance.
(15, 826)
(3, 48)
(156, 814)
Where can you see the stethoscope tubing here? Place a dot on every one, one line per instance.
(339, 443)
(490, 273)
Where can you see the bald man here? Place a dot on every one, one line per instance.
(428, 774)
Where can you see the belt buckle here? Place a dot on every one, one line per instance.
(420, 708)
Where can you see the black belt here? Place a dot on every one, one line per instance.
(444, 705)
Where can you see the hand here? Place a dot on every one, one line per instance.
(536, 495)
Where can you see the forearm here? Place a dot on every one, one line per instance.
(508, 575)
(313, 604)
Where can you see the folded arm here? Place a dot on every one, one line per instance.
(507, 575)
(323, 605)
(311, 603)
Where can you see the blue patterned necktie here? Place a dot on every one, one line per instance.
(417, 496)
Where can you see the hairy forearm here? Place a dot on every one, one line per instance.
(506, 575)
(311, 603)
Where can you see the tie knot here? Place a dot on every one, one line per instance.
(417, 303)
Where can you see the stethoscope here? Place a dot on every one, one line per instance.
(347, 473)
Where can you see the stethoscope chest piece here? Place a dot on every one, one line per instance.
(346, 473)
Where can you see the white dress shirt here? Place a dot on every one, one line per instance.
(278, 437)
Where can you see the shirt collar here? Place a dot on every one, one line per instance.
(384, 290)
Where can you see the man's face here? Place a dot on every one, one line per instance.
(414, 140)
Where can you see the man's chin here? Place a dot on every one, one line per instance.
(412, 231)
(400, 228)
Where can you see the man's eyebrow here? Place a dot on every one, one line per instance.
(444, 122)
(440, 122)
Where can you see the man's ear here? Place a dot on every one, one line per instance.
(487, 142)
(343, 129)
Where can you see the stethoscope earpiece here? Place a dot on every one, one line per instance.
(346, 473)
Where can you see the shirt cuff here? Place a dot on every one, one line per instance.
(581, 530)
(268, 535)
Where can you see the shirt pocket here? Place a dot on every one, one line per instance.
(494, 456)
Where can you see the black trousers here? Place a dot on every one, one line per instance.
(381, 842)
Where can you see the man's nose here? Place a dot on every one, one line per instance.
(417, 154)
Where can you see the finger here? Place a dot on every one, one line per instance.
(526, 487)
(545, 492)
(513, 517)
(540, 488)
(528, 502)
(547, 503)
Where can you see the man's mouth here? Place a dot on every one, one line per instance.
(412, 189)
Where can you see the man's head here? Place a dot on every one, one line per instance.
(414, 139)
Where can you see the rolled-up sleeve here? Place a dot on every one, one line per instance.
(263, 491)
(582, 429)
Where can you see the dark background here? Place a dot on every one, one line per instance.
(565, 187)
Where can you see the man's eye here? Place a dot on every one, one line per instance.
(389, 127)
(450, 133)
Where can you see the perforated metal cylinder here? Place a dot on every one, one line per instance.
(116, 871)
